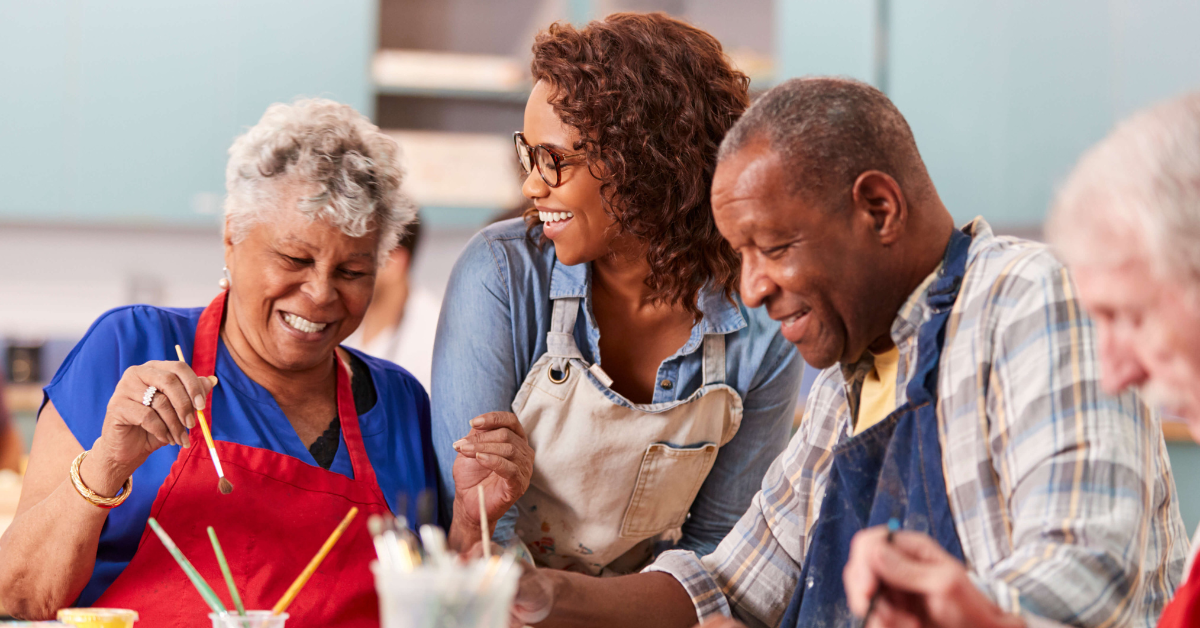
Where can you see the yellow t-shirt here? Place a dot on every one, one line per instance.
(878, 397)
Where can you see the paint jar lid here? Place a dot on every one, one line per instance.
(98, 617)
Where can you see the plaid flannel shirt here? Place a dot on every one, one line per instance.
(1062, 495)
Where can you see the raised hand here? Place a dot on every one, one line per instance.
(495, 455)
(132, 431)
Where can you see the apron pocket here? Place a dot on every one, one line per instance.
(667, 483)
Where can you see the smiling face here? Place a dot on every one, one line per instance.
(298, 286)
(1148, 330)
(815, 269)
(573, 213)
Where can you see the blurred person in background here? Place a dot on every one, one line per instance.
(608, 321)
(400, 322)
(306, 429)
(1127, 223)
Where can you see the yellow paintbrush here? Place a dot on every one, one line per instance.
(224, 485)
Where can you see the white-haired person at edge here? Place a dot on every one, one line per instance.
(1127, 224)
(304, 429)
(962, 400)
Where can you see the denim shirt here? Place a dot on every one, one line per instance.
(492, 330)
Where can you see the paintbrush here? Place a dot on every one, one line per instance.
(224, 485)
(302, 579)
(206, 592)
(233, 592)
(893, 524)
(483, 524)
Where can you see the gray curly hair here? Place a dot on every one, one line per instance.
(354, 166)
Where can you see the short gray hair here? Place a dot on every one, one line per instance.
(1143, 178)
(353, 165)
(828, 131)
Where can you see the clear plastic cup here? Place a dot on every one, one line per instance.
(252, 619)
(98, 617)
(478, 595)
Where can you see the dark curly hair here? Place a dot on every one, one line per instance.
(651, 97)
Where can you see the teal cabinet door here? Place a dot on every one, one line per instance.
(1003, 97)
(121, 111)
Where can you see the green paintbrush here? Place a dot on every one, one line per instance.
(206, 591)
(233, 592)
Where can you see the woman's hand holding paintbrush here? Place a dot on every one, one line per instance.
(154, 405)
(496, 456)
(905, 579)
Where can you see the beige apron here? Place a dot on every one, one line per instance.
(611, 477)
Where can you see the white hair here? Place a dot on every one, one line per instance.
(1142, 181)
(321, 144)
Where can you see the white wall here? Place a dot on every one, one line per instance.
(59, 279)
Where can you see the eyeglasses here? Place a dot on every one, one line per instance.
(548, 161)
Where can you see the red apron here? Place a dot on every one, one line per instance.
(1184, 609)
(279, 514)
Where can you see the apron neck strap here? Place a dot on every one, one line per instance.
(560, 340)
(922, 388)
(348, 417)
(714, 359)
(208, 332)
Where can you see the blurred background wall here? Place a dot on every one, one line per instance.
(115, 117)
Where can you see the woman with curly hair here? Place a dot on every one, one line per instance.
(654, 400)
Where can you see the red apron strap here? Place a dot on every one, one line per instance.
(208, 331)
(351, 433)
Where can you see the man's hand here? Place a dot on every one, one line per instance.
(922, 585)
(535, 597)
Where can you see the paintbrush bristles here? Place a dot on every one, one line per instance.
(225, 486)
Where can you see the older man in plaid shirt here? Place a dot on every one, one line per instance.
(962, 400)
(1127, 222)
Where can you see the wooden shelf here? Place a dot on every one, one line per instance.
(504, 96)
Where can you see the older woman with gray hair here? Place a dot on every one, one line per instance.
(302, 430)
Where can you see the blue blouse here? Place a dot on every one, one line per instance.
(492, 330)
(396, 432)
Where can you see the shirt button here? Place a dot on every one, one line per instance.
(666, 384)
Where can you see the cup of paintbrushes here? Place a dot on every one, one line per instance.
(252, 619)
(438, 594)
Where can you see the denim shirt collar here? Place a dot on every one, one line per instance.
(720, 315)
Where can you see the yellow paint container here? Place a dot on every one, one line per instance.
(98, 617)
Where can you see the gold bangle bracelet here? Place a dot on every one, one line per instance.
(93, 497)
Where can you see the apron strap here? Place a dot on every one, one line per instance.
(922, 388)
(351, 431)
(560, 340)
(714, 359)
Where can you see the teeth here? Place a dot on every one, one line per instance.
(303, 324)
(791, 319)
(554, 216)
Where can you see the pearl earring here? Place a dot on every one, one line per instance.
(224, 281)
